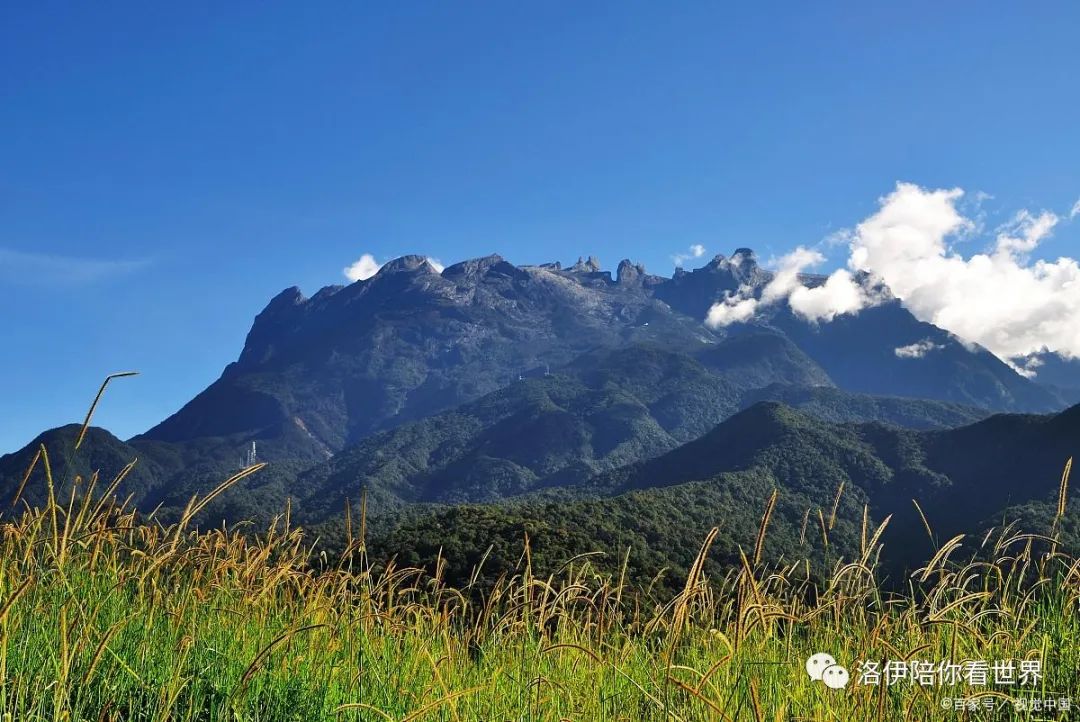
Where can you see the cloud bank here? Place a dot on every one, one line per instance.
(997, 297)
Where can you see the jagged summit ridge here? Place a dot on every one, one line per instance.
(409, 341)
(742, 265)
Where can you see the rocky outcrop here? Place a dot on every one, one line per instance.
(582, 266)
(630, 273)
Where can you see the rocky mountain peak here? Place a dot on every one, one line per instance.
(582, 266)
(693, 292)
(475, 269)
(290, 297)
(404, 264)
(744, 255)
(630, 272)
(326, 292)
(743, 260)
(281, 308)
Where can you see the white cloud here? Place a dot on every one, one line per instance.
(1075, 210)
(918, 349)
(1026, 366)
(840, 237)
(365, 267)
(1024, 232)
(737, 308)
(696, 250)
(786, 278)
(841, 293)
(998, 297)
(43, 268)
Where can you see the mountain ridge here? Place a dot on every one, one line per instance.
(661, 507)
(595, 374)
(411, 341)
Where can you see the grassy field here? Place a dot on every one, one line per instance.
(107, 615)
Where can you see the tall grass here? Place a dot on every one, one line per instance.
(108, 615)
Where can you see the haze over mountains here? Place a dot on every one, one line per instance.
(490, 381)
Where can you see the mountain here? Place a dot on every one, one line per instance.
(885, 350)
(1056, 372)
(160, 471)
(694, 292)
(882, 350)
(605, 410)
(410, 342)
(607, 407)
(490, 380)
(969, 472)
(838, 406)
(962, 476)
(100, 451)
(965, 479)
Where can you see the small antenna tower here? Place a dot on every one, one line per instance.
(252, 456)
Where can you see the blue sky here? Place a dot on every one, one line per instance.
(165, 170)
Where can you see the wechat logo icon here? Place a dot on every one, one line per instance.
(822, 667)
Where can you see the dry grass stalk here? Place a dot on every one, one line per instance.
(1063, 489)
(836, 505)
(759, 543)
(926, 524)
(97, 399)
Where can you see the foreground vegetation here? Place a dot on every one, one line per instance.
(109, 614)
(106, 615)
